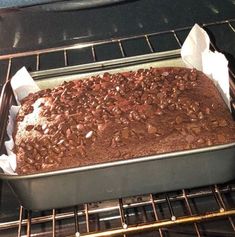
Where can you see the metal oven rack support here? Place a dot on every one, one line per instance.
(81, 215)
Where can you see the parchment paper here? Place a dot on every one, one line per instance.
(196, 53)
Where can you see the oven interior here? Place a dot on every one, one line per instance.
(206, 211)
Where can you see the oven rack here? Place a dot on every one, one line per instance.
(145, 43)
(158, 211)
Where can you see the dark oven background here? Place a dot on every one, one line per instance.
(164, 24)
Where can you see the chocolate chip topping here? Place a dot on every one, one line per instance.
(120, 116)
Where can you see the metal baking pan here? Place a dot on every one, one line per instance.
(158, 173)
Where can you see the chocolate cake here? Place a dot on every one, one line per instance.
(120, 116)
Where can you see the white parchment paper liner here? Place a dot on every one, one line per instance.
(22, 84)
(195, 53)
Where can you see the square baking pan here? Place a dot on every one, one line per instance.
(150, 174)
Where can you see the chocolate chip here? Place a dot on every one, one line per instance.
(34, 152)
(117, 138)
(25, 169)
(149, 100)
(49, 160)
(221, 138)
(165, 74)
(193, 84)
(73, 128)
(200, 141)
(134, 115)
(22, 144)
(89, 134)
(44, 126)
(116, 111)
(56, 149)
(209, 142)
(151, 129)
(190, 138)
(38, 166)
(124, 120)
(215, 123)
(193, 117)
(62, 127)
(200, 115)
(193, 75)
(45, 141)
(29, 110)
(29, 147)
(195, 107)
(178, 120)
(181, 87)
(38, 128)
(43, 151)
(223, 123)
(196, 130)
(207, 110)
(29, 160)
(80, 127)
(160, 95)
(68, 133)
(125, 132)
(82, 151)
(29, 127)
(105, 117)
(48, 166)
(63, 148)
(61, 141)
(186, 76)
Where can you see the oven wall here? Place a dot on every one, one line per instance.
(22, 30)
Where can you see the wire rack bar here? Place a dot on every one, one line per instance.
(53, 223)
(8, 70)
(76, 222)
(220, 198)
(67, 215)
(232, 28)
(87, 218)
(94, 43)
(147, 226)
(65, 58)
(121, 48)
(176, 38)
(149, 43)
(231, 222)
(155, 214)
(20, 221)
(156, 225)
(173, 217)
(122, 214)
(143, 211)
(217, 199)
(28, 223)
(93, 53)
(190, 212)
(37, 61)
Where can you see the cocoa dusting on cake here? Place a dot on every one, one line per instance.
(120, 116)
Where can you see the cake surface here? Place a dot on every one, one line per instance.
(120, 116)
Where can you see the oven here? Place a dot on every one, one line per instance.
(53, 41)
